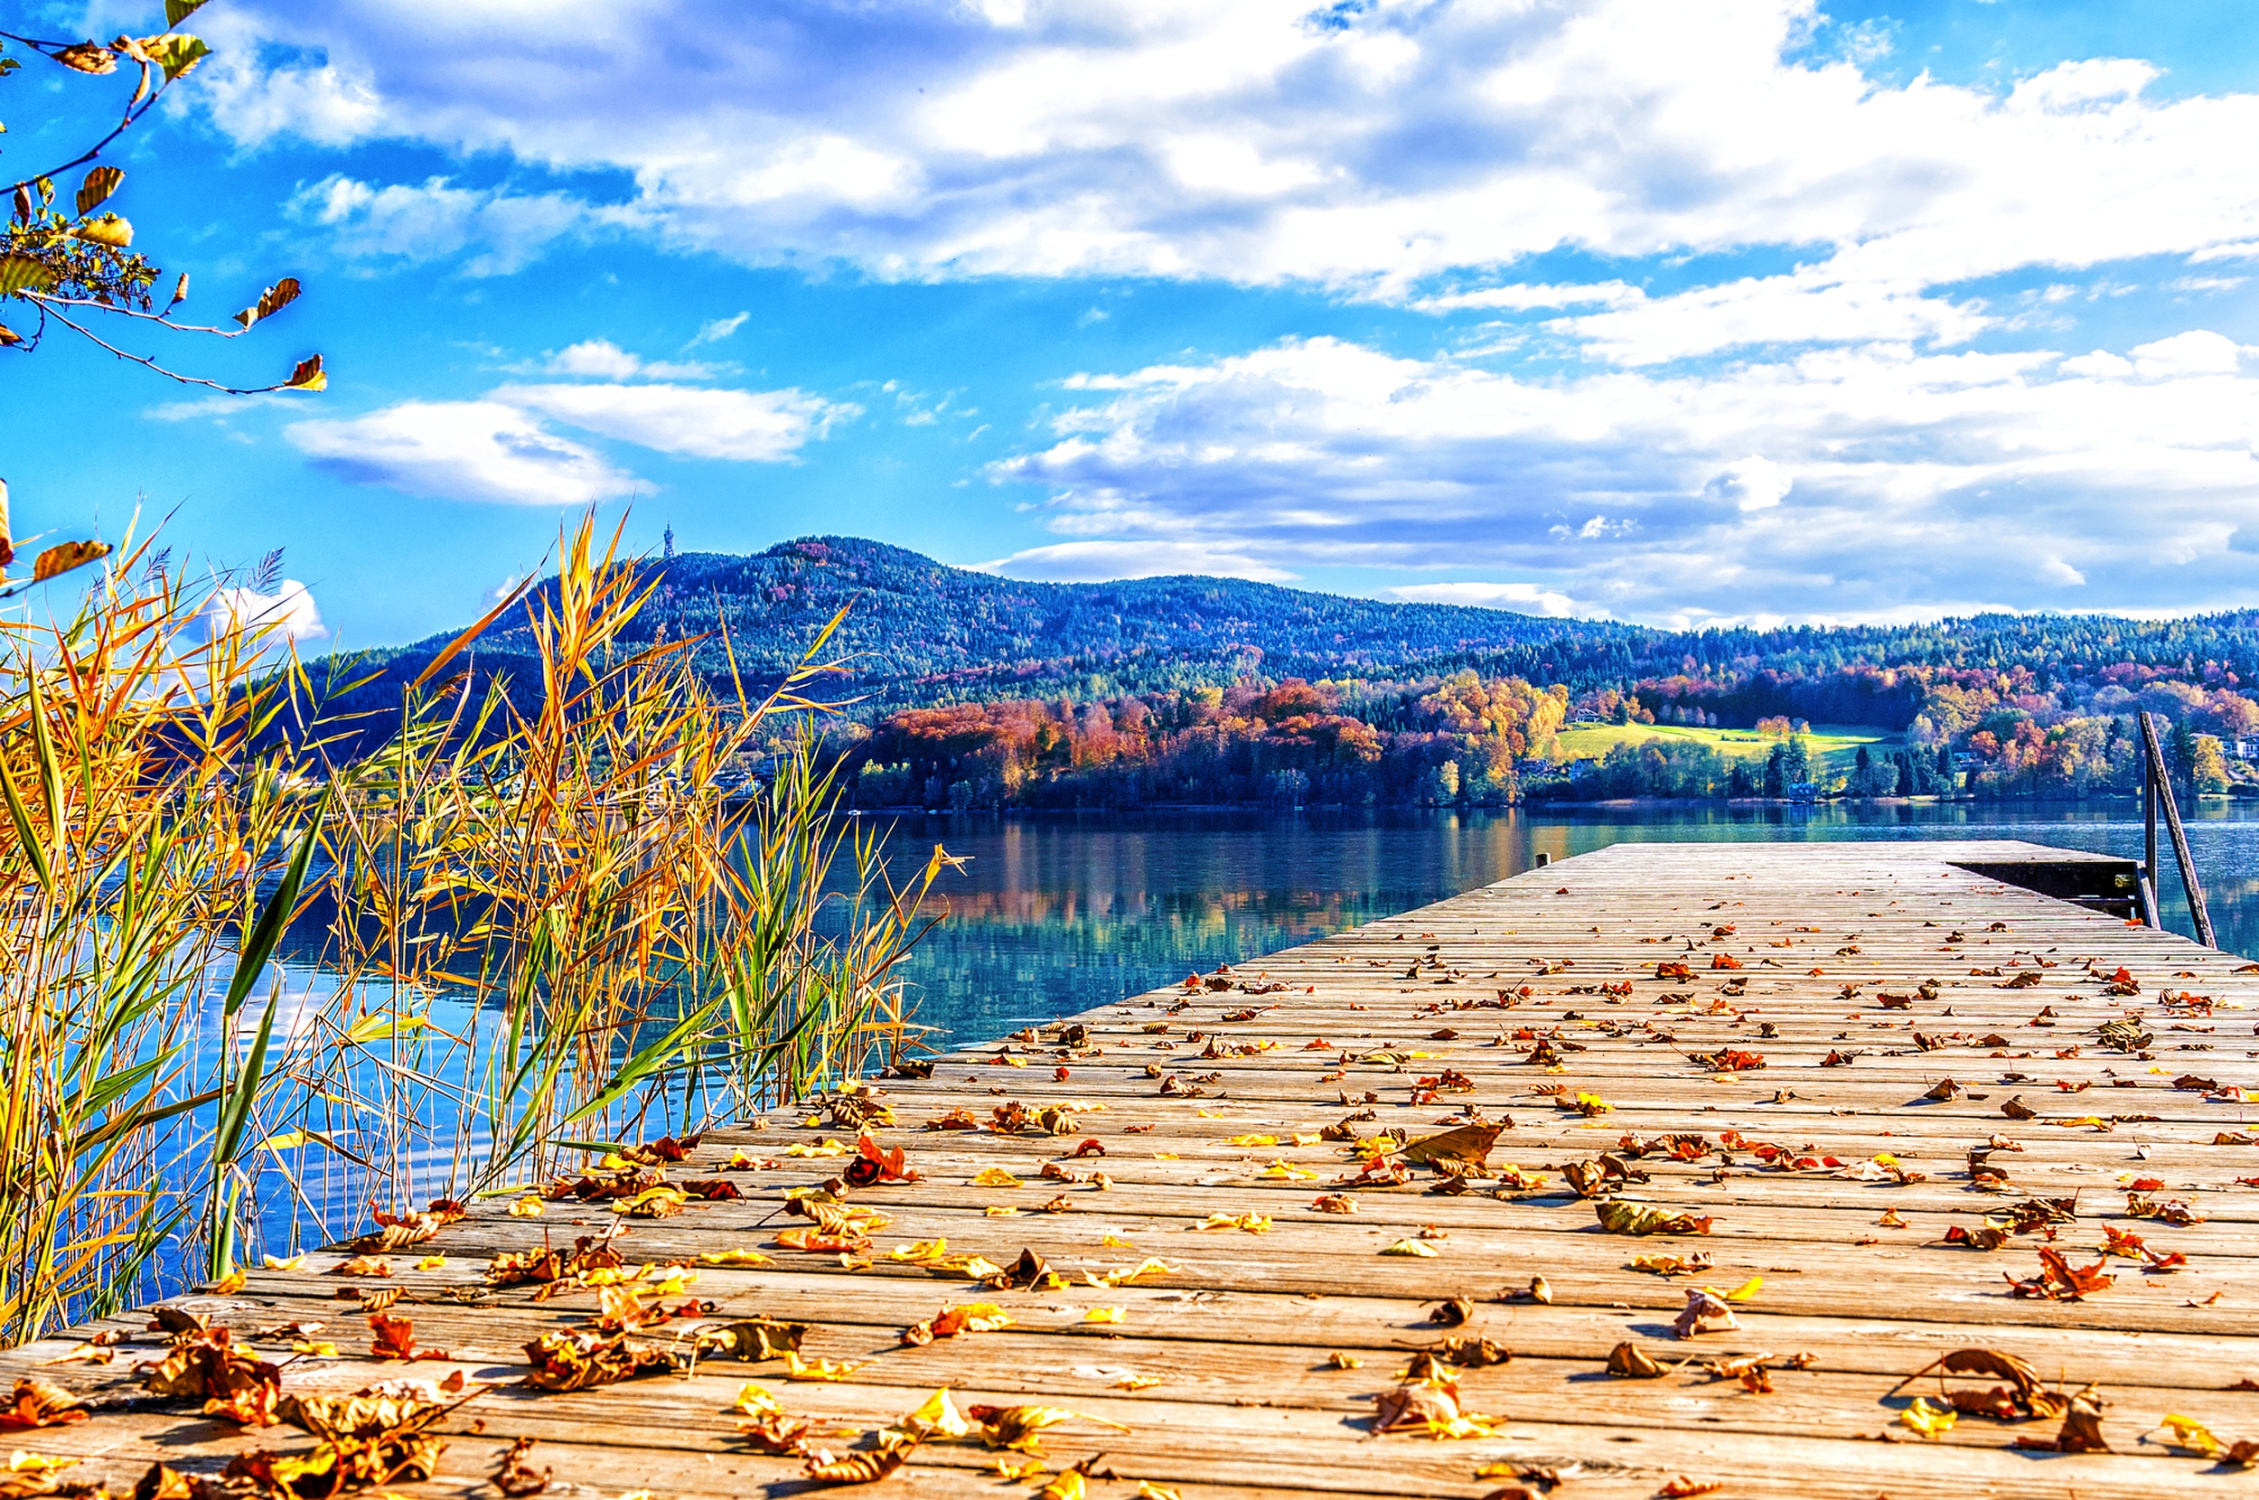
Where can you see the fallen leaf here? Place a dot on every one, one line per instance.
(41, 1403)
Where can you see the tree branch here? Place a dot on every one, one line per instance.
(148, 363)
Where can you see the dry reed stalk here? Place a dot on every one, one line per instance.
(518, 932)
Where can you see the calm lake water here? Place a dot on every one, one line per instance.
(1058, 913)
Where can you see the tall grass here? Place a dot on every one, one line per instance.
(514, 934)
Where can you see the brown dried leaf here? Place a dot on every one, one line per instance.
(1626, 1359)
(516, 1477)
(41, 1403)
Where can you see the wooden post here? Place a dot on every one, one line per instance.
(2162, 792)
(2149, 832)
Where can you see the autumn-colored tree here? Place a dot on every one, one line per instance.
(69, 261)
(73, 263)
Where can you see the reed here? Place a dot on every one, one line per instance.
(514, 936)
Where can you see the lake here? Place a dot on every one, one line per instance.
(1057, 913)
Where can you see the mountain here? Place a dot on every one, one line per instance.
(919, 632)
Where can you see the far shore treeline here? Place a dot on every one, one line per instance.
(964, 689)
(1467, 740)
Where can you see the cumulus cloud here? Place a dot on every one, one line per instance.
(750, 426)
(461, 450)
(1253, 143)
(1919, 478)
(289, 613)
(2197, 352)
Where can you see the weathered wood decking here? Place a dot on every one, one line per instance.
(1236, 1336)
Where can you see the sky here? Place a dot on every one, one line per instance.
(1682, 312)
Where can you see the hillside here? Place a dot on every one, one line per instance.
(922, 633)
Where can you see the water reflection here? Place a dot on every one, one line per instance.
(1059, 913)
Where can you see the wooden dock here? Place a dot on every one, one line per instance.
(1933, 1059)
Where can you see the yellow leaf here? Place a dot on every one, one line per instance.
(936, 1416)
(1103, 1315)
(1113, 1241)
(319, 1349)
(174, 52)
(796, 1368)
(1000, 1211)
(286, 1262)
(825, 1147)
(1165, 1156)
(1412, 1247)
(21, 273)
(1746, 1290)
(1150, 1266)
(919, 1252)
(432, 1263)
(1930, 1419)
(756, 1400)
(64, 556)
(1148, 1490)
(1068, 1486)
(2190, 1433)
(307, 375)
(1137, 1382)
(528, 1207)
(109, 230)
(735, 1258)
(1252, 1140)
(995, 1177)
(1279, 1171)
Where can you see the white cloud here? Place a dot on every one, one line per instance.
(2101, 364)
(717, 329)
(1754, 483)
(751, 426)
(2055, 570)
(288, 613)
(2198, 352)
(1243, 142)
(1524, 598)
(1522, 297)
(400, 224)
(461, 450)
(1101, 561)
(606, 360)
(1916, 476)
(1807, 307)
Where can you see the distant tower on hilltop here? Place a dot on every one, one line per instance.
(669, 541)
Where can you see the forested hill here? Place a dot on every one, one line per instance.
(923, 633)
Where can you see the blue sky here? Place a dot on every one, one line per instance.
(1685, 311)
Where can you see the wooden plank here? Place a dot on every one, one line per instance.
(1239, 1330)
